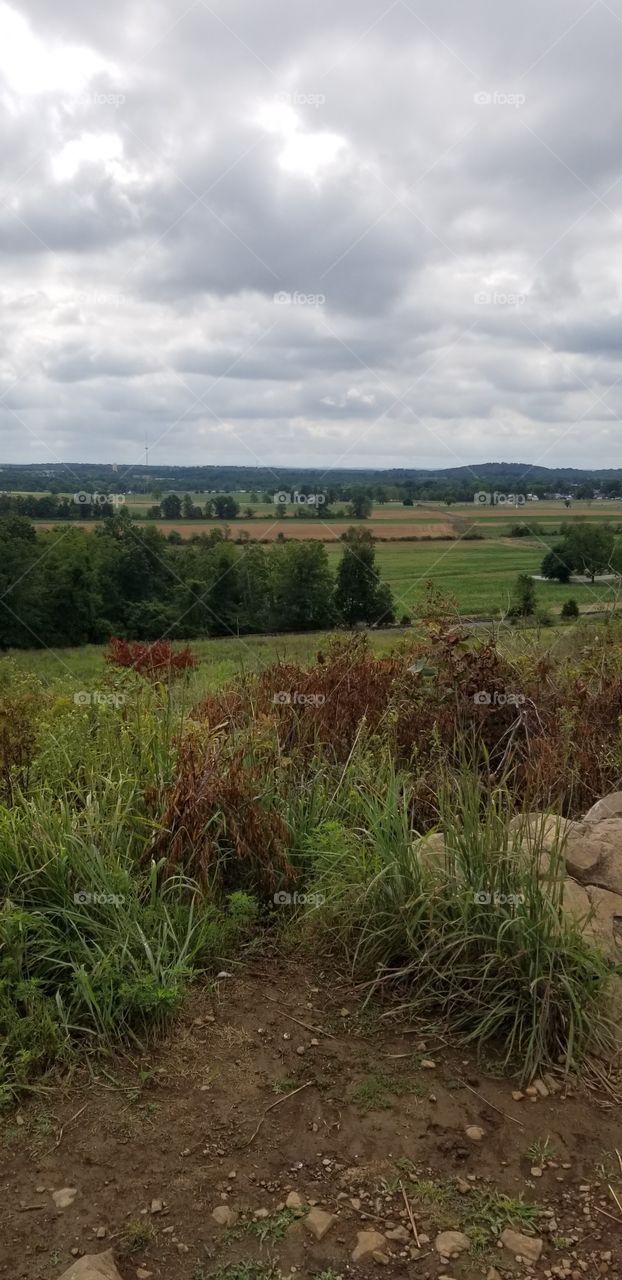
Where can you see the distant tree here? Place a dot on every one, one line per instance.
(187, 507)
(360, 596)
(589, 547)
(570, 609)
(303, 587)
(555, 565)
(524, 596)
(226, 507)
(408, 502)
(360, 504)
(171, 506)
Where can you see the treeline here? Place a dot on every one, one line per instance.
(586, 549)
(70, 587)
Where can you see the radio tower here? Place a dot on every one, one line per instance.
(146, 452)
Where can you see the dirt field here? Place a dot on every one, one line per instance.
(269, 530)
(153, 1144)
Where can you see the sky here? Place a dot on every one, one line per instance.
(344, 234)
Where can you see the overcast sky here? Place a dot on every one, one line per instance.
(336, 232)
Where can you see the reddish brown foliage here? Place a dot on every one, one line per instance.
(17, 741)
(215, 827)
(157, 661)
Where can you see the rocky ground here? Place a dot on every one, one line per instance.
(281, 1129)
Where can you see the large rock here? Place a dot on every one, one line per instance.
(543, 836)
(609, 807)
(449, 1244)
(93, 1266)
(583, 852)
(606, 923)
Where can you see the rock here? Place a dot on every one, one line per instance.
(382, 1258)
(261, 1214)
(100, 1234)
(543, 836)
(64, 1197)
(609, 807)
(493, 1274)
(527, 1247)
(428, 1064)
(294, 1201)
(93, 1266)
(157, 1206)
(583, 853)
(541, 1088)
(319, 1222)
(474, 1133)
(142, 1274)
(576, 904)
(367, 1242)
(606, 923)
(400, 1234)
(450, 1244)
(224, 1216)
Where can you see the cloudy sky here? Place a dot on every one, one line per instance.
(355, 233)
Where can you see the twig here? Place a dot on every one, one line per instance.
(410, 1215)
(307, 1025)
(619, 1159)
(506, 1115)
(271, 1108)
(608, 1215)
(62, 1128)
(615, 1197)
(26, 1208)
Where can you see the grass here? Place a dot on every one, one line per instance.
(377, 1092)
(483, 1208)
(273, 1228)
(540, 1151)
(472, 934)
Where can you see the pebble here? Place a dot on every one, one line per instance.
(474, 1133)
(64, 1197)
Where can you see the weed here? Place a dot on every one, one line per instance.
(137, 1235)
(274, 1227)
(374, 1092)
(540, 1151)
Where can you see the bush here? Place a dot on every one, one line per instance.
(570, 609)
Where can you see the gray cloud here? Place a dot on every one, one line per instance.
(438, 191)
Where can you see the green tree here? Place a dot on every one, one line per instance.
(360, 596)
(225, 506)
(171, 506)
(360, 504)
(555, 565)
(524, 601)
(303, 587)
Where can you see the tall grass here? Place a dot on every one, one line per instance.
(465, 929)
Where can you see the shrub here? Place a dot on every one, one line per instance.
(570, 609)
(157, 661)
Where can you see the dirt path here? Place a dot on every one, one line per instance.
(153, 1147)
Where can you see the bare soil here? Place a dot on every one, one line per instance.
(187, 1124)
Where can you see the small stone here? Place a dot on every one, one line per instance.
(233, 1174)
(531, 1091)
(537, 1172)
(260, 1214)
(474, 1133)
(101, 1233)
(450, 1244)
(541, 1088)
(356, 1203)
(319, 1222)
(527, 1247)
(428, 1064)
(224, 1216)
(518, 1095)
(493, 1274)
(399, 1233)
(300, 1049)
(64, 1197)
(91, 1265)
(463, 1186)
(294, 1201)
(142, 1274)
(157, 1206)
(367, 1242)
(379, 1256)
(315, 1043)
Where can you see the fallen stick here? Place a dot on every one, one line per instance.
(307, 1025)
(271, 1108)
(62, 1128)
(506, 1115)
(615, 1198)
(608, 1215)
(410, 1215)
